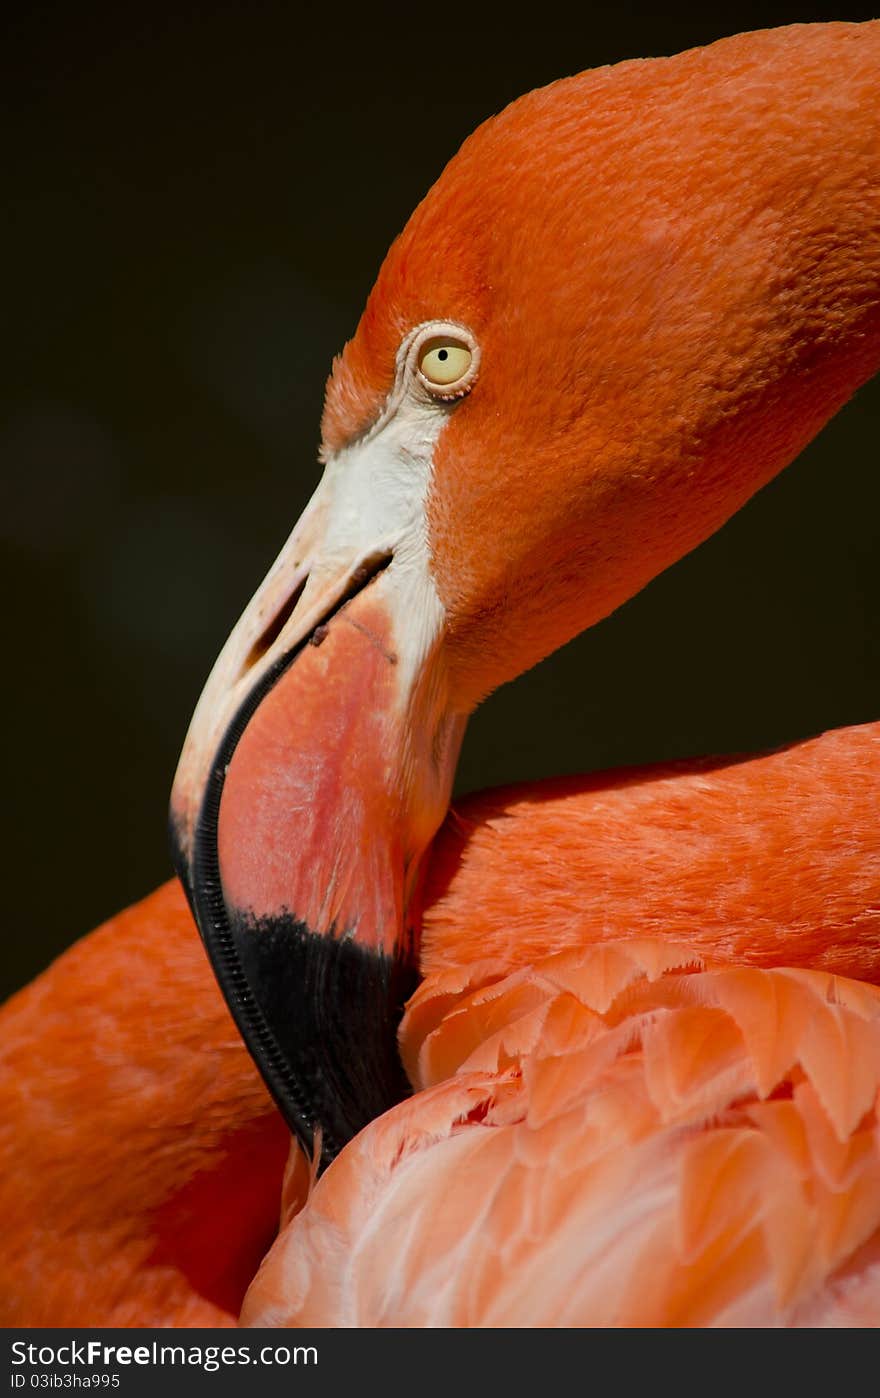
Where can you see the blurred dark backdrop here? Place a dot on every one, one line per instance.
(196, 208)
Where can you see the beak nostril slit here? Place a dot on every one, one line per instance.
(363, 575)
(368, 570)
(270, 635)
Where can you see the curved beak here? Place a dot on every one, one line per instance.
(316, 770)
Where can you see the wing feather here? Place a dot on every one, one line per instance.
(613, 1136)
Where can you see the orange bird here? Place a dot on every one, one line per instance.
(636, 1080)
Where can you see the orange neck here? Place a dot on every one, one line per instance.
(767, 861)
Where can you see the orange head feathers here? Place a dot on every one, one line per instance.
(672, 267)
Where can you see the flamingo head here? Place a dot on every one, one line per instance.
(629, 300)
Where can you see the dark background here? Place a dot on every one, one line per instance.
(196, 207)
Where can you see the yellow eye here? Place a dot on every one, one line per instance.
(443, 363)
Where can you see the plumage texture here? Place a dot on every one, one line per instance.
(613, 1136)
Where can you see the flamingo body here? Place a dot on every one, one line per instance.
(645, 1050)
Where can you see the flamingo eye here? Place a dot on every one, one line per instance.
(446, 365)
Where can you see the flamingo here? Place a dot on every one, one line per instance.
(636, 1079)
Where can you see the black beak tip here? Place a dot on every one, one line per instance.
(318, 1013)
(329, 1012)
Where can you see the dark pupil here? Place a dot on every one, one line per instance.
(443, 354)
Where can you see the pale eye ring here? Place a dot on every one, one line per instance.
(446, 360)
